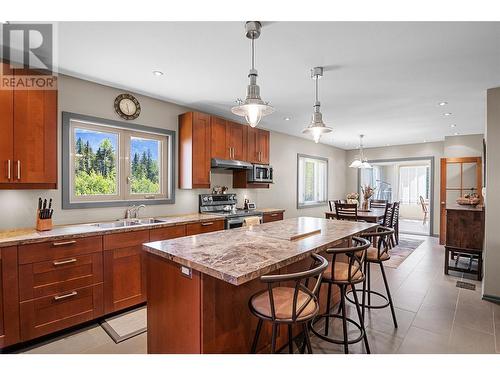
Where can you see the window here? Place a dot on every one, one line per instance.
(312, 181)
(413, 183)
(111, 163)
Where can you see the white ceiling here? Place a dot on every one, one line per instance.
(382, 79)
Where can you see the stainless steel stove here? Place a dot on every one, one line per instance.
(225, 205)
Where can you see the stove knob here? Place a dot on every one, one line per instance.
(205, 199)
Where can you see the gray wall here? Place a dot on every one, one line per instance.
(491, 281)
(89, 98)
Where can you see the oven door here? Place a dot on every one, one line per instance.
(234, 222)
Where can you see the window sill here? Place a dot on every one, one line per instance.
(73, 205)
(311, 205)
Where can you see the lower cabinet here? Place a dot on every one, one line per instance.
(124, 270)
(272, 216)
(9, 300)
(204, 227)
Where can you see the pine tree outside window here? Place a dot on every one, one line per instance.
(110, 164)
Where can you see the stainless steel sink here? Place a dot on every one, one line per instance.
(127, 223)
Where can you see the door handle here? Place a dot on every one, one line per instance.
(19, 169)
(8, 170)
(64, 296)
(61, 262)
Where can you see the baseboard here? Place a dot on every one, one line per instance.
(493, 299)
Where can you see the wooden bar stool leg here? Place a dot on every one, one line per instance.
(361, 318)
(389, 295)
(363, 298)
(368, 275)
(328, 307)
(273, 338)
(344, 320)
(290, 339)
(256, 337)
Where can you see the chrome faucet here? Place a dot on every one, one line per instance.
(133, 212)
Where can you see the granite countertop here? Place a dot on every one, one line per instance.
(30, 235)
(241, 255)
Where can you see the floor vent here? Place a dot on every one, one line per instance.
(464, 285)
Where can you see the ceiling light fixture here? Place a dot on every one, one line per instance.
(287, 118)
(157, 73)
(457, 133)
(453, 125)
(443, 103)
(447, 114)
(253, 108)
(317, 127)
(360, 161)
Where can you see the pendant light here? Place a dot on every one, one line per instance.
(361, 161)
(317, 127)
(253, 108)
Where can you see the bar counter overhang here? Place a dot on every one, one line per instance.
(198, 286)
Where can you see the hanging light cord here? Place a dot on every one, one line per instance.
(253, 53)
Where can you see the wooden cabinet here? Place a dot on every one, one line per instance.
(194, 151)
(236, 140)
(124, 270)
(9, 300)
(204, 227)
(60, 284)
(258, 144)
(29, 139)
(167, 233)
(268, 217)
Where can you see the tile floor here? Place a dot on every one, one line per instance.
(434, 316)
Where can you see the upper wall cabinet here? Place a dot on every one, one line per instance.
(194, 151)
(28, 146)
(228, 139)
(258, 145)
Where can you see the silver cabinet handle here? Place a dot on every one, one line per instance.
(63, 243)
(61, 262)
(207, 224)
(19, 169)
(274, 214)
(64, 296)
(8, 170)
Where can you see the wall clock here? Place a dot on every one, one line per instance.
(127, 107)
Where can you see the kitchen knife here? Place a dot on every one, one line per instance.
(44, 208)
(39, 203)
(50, 214)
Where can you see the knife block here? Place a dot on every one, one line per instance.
(43, 224)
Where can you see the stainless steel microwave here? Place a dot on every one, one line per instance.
(261, 173)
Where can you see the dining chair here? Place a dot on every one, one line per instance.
(425, 209)
(378, 203)
(346, 211)
(331, 203)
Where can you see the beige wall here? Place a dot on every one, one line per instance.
(491, 281)
(463, 145)
(88, 98)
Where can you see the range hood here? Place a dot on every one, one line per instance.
(230, 164)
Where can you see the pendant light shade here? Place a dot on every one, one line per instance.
(317, 127)
(253, 108)
(361, 161)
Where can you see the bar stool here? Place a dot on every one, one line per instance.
(379, 254)
(344, 274)
(288, 305)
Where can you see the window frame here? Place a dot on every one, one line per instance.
(126, 130)
(318, 203)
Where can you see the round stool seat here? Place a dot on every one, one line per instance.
(283, 304)
(341, 273)
(372, 255)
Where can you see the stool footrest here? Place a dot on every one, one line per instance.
(332, 340)
(366, 305)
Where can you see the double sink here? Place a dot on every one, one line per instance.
(120, 223)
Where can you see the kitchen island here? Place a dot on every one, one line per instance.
(199, 286)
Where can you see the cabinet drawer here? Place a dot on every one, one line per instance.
(60, 249)
(125, 239)
(53, 313)
(60, 275)
(272, 216)
(205, 227)
(167, 233)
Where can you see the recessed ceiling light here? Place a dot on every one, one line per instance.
(157, 73)
(456, 133)
(443, 103)
(447, 114)
(286, 118)
(425, 140)
(453, 125)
